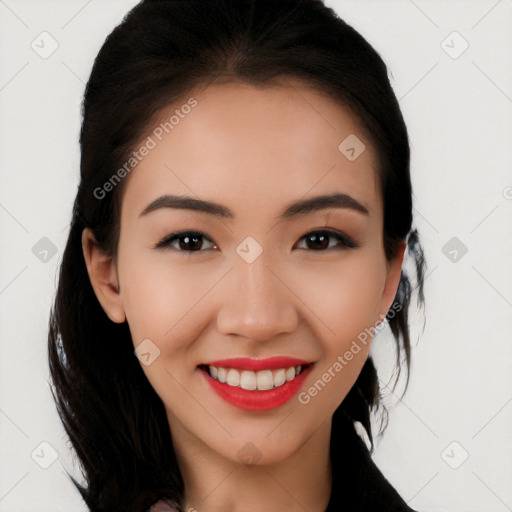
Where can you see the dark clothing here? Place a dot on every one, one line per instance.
(358, 484)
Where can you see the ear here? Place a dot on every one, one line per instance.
(393, 275)
(103, 276)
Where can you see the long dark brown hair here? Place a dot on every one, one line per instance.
(162, 50)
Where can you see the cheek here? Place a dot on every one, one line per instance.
(163, 304)
(160, 298)
(345, 297)
(346, 300)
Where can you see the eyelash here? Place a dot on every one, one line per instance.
(165, 243)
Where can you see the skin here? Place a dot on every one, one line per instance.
(254, 150)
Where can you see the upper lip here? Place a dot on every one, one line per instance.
(245, 363)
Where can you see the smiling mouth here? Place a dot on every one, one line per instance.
(249, 380)
(256, 384)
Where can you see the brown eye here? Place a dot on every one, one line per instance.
(185, 242)
(321, 240)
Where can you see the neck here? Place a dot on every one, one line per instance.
(213, 483)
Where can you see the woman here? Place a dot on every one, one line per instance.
(238, 237)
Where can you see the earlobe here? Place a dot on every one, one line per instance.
(103, 277)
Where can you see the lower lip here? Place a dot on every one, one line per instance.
(258, 400)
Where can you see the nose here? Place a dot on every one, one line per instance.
(259, 303)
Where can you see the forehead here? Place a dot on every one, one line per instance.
(254, 149)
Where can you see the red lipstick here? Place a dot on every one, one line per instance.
(258, 400)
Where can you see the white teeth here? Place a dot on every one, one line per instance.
(261, 380)
(290, 373)
(279, 378)
(265, 380)
(248, 380)
(233, 378)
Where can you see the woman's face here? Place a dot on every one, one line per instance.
(263, 280)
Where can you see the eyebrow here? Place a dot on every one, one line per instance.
(295, 209)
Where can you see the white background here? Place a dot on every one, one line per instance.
(459, 115)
